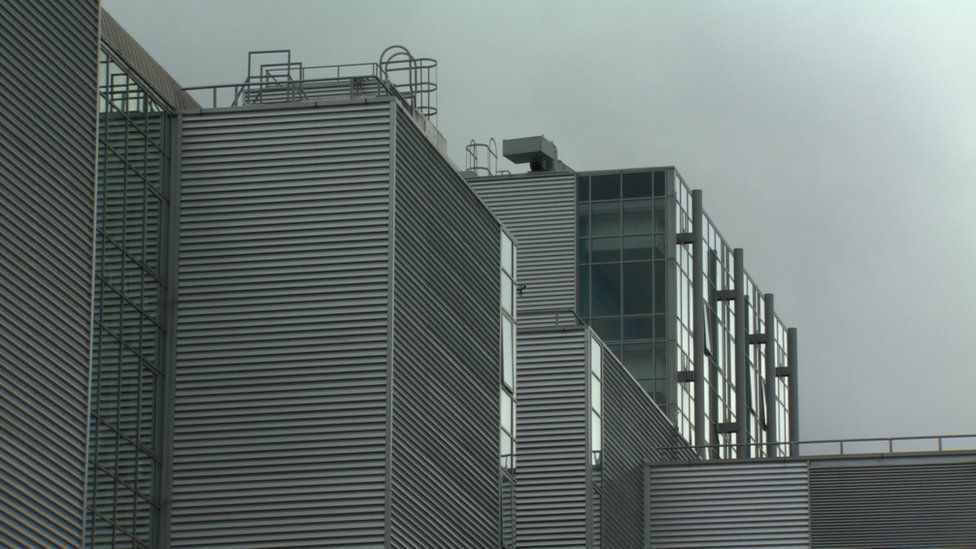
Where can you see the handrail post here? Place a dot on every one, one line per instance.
(841, 447)
(891, 446)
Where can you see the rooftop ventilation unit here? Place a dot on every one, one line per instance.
(538, 152)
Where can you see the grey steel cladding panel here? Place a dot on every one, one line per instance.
(634, 429)
(280, 423)
(553, 448)
(446, 359)
(912, 505)
(540, 210)
(48, 102)
(758, 504)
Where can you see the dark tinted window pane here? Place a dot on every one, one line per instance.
(660, 326)
(607, 328)
(638, 359)
(637, 216)
(582, 188)
(639, 327)
(583, 250)
(605, 218)
(637, 185)
(659, 220)
(638, 247)
(583, 219)
(605, 285)
(659, 183)
(583, 290)
(658, 251)
(660, 365)
(659, 286)
(637, 288)
(603, 250)
(605, 187)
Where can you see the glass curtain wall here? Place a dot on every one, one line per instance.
(756, 370)
(129, 336)
(507, 393)
(596, 438)
(684, 312)
(719, 339)
(621, 269)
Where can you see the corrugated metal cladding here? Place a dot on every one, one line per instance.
(552, 439)
(49, 62)
(923, 504)
(758, 504)
(540, 210)
(281, 376)
(634, 429)
(446, 357)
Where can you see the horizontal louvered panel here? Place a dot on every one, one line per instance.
(553, 448)
(634, 428)
(49, 62)
(446, 370)
(759, 504)
(928, 503)
(280, 428)
(540, 211)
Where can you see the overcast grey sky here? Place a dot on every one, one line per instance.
(835, 141)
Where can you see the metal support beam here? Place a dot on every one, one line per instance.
(793, 365)
(725, 295)
(727, 427)
(698, 313)
(741, 346)
(770, 320)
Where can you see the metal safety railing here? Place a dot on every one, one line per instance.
(412, 80)
(823, 447)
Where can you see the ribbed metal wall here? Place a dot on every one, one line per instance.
(49, 60)
(552, 437)
(928, 503)
(634, 428)
(725, 504)
(281, 372)
(540, 210)
(446, 356)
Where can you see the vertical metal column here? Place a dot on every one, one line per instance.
(167, 392)
(772, 448)
(794, 387)
(698, 315)
(741, 347)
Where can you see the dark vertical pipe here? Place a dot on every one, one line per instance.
(698, 316)
(741, 346)
(770, 347)
(794, 388)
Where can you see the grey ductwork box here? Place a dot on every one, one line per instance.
(538, 152)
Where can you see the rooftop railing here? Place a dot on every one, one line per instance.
(826, 448)
(412, 80)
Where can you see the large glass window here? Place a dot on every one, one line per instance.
(508, 444)
(621, 267)
(129, 331)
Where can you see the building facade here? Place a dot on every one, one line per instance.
(654, 277)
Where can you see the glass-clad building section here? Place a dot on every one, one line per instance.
(621, 232)
(129, 335)
(507, 392)
(664, 312)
